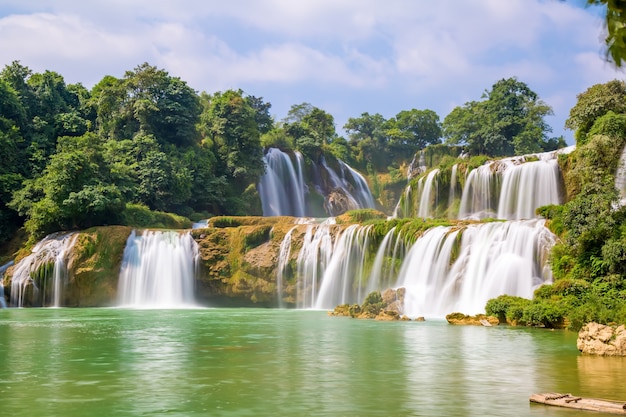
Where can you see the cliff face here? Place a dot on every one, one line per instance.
(239, 261)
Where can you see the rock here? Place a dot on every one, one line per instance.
(602, 340)
(338, 202)
(477, 320)
(394, 300)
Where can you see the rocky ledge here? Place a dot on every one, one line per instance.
(477, 320)
(599, 339)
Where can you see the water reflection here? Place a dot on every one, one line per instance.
(73, 362)
(602, 377)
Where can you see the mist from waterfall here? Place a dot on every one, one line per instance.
(158, 270)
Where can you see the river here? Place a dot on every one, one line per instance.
(272, 362)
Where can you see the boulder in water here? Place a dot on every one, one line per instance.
(599, 339)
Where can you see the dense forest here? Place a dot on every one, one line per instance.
(147, 150)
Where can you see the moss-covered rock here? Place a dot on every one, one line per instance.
(477, 320)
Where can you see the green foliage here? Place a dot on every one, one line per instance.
(257, 236)
(595, 102)
(360, 216)
(615, 20)
(510, 121)
(140, 216)
(506, 308)
(373, 303)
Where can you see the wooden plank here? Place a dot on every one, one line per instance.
(580, 403)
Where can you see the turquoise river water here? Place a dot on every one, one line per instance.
(264, 362)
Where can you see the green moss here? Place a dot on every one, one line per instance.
(140, 216)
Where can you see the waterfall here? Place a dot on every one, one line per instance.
(444, 273)
(283, 260)
(384, 271)
(428, 198)
(46, 262)
(620, 177)
(158, 270)
(282, 188)
(342, 279)
(362, 191)
(453, 180)
(477, 200)
(3, 269)
(526, 187)
(317, 248)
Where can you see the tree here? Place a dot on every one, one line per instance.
(412, 130)
(368, 134)
(150, 101)
(615, 25)
(74, 190)
(595, 102)
(232, 127)
(509, 120)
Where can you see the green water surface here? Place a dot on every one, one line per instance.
(256, 362)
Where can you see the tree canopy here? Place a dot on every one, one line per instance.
(508, 121)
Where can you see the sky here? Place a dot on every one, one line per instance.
(346, 57)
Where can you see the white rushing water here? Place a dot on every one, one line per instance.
(508, 189)
(47, 262)
(158, 270)
(447, 269)
(491, 259)
(283, 189)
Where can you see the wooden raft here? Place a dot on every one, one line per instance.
(580, 403)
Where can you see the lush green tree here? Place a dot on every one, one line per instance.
(150, 101)
(232, 128)
(263, 118)
(412, 130)
(509, 121)
(73, 191)
(595, 102)
(368, 136)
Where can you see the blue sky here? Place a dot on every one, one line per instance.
(345, 57)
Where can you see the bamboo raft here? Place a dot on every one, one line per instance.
(580, 403)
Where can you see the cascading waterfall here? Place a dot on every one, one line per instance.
(317, 249)
(282, 188)
(363, 194)
(158, 270)
(283, 259)
(47, 262)
(526, 187)
(384, 269)
(477, 201)
(491, 259)
(509, 189)
(284, 192)
(428, 196)
(342, 279)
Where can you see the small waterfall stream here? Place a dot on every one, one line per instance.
(158, 270)
(44, 270)
(3, 269)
